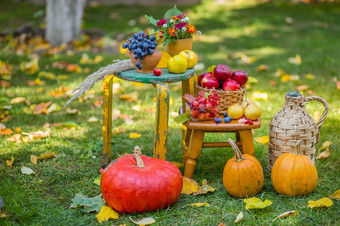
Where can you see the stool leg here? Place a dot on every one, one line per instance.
(107, 121)
(162, 119)
(195, 146)
(185, 142)
(246, 137)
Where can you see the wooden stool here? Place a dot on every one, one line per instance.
(193, 141)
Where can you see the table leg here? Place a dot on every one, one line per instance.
(162, 120)
(107, 121)
(246, 138)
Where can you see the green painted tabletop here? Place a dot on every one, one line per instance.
(165, 77)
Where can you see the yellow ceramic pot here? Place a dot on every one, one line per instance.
(178, 45)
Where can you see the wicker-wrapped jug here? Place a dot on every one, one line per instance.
(293, 123)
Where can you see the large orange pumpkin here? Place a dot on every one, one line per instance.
(243, 174)
(294, 174)
(137, 183)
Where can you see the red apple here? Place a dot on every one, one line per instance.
(240, 76)
(222, 72)
(201, 76)
(231, 85)
(209, 82)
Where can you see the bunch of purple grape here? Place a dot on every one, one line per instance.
(141, 45)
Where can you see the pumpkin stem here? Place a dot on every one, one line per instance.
(138, 155)
(238, 155)
(297, 148)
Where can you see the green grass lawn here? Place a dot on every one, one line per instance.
(271, 32)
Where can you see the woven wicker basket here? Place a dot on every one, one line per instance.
(293, 124)
(227, 98)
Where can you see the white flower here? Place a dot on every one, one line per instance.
(171, 20)
(183, 28)
(186, 19)
(165, 25)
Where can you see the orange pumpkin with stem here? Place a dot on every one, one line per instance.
(294, 174)
(243, 174)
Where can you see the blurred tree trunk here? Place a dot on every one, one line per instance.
(63, 20)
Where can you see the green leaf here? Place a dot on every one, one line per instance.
(90, 204)
(252, 80)
(211, 68)
(166, 41)
(172, 12)
(97, 180)
(151, 20)
(182, 118)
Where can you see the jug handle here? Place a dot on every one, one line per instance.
(325, 104)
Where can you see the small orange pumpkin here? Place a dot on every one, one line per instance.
(294, 174)
(243, 174)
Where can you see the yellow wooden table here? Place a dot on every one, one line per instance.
(162, 106)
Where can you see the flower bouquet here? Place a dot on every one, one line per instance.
(173, 26)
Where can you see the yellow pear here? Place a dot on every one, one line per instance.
(252, 111)
(235, 111)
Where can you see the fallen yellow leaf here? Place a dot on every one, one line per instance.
(262, 140)
(258, 95)
(256, 203)
(286, 214)
(295, 60)
(17, 130)
(135, 135)
(3, 215)
(335, 195)
(132, 97)
(279, 72)
(15, 138)
(247, 59)
(205, 188)
(239, 217)
(34, 159)
(47, 155)
(119, 129)
(324, 154)
(30, 67)
(10, 162)
(325, 145)
(189, 186)
(310, 76)
(199, 204)
(324, 202)
(17, 100)
(6, 131)
(262, 67)
(106, 213)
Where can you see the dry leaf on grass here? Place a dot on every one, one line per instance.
(295, 60)
(199, 204)
(258, 95)
(286, 214)
(17, 100)
(106, 213)
(3, 215)
(239, 217)
(262, 67)
(325, 145)
(134, 135)
(92, 119)
(15, 138)
(132, 97)
(34, 159)
(37, 134)
(205, 188)
(310, 76)
(189, 186)
(262, 140)
(335, 195)
(10, 162)
(324, 202)
(26, 170)
(144, 221)
(256, 203)
(324, 154)
(6, 132)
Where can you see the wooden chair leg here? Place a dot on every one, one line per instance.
(195, 146)
(162, 119)
(107, 121)
(186, 142)
(246, 138)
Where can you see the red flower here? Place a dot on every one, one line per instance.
(161, 22)
(181, 16)
(180, 25)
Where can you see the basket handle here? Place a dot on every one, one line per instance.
(325, 104)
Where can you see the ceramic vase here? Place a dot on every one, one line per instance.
(178, 45)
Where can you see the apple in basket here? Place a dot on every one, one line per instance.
(209, 81)
(231, 85)
(201, 76)
(240, 76)
(222, 72)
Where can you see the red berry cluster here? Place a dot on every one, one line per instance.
(249, 121)
(204, 107)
